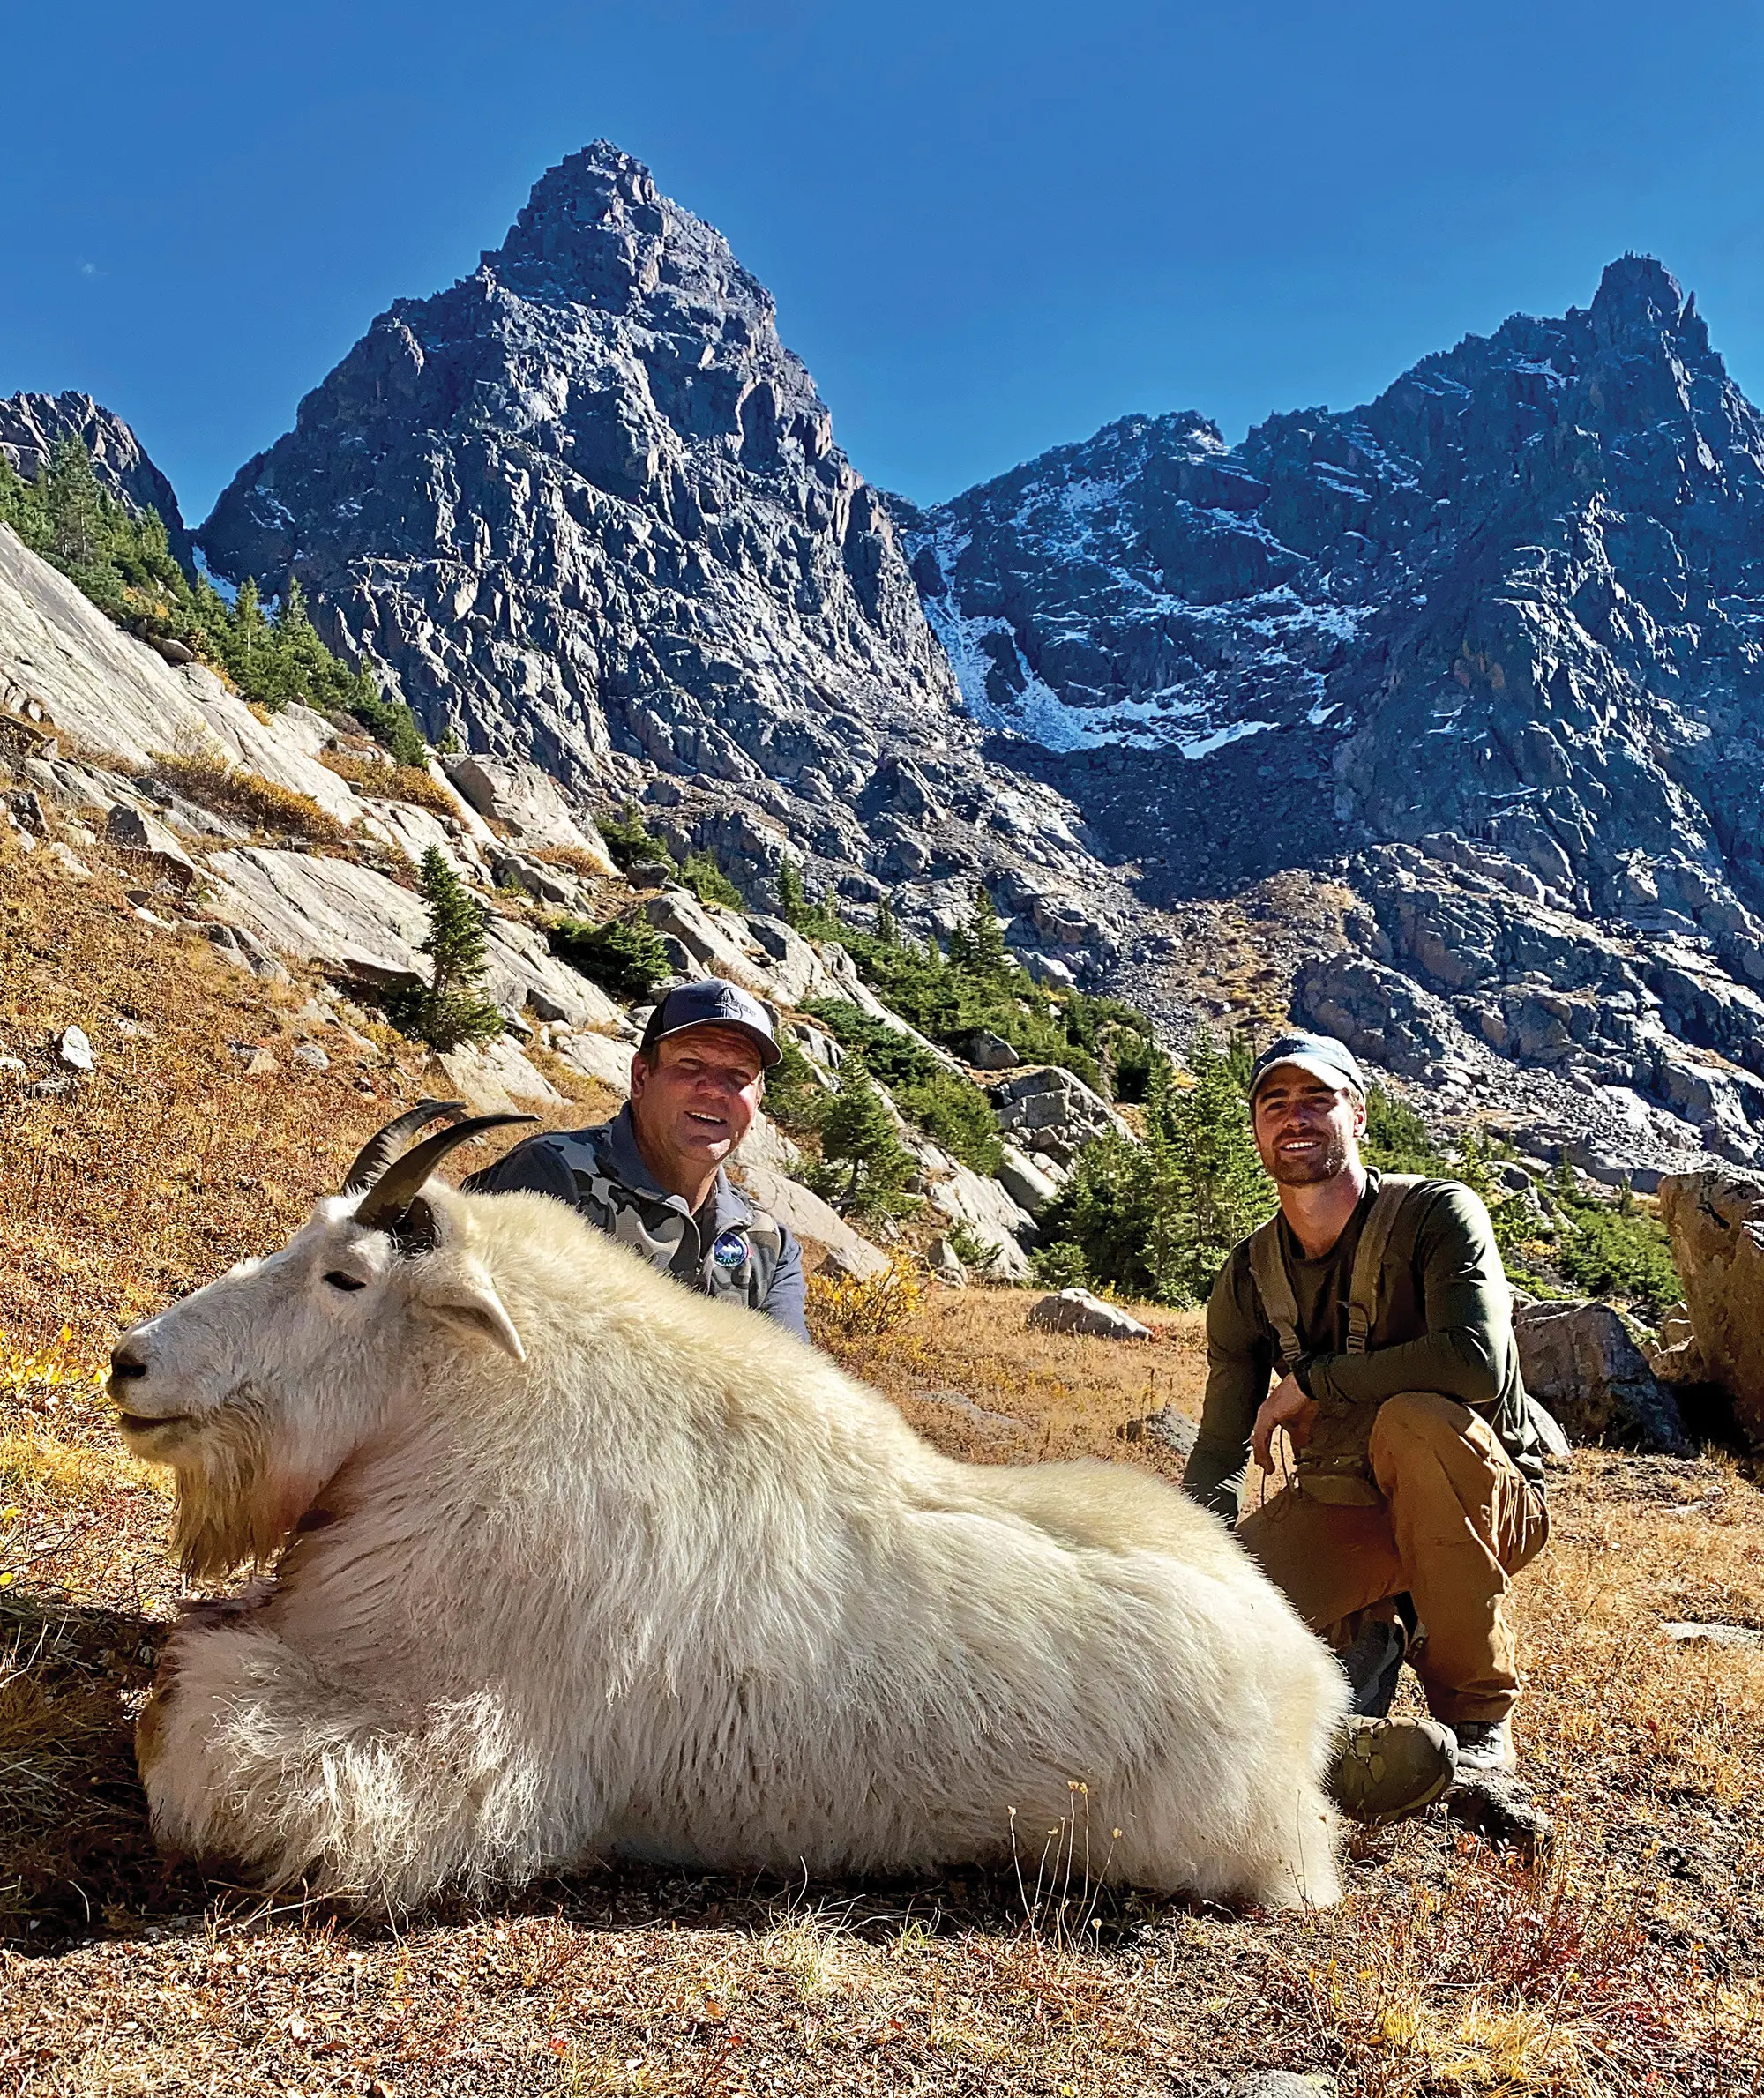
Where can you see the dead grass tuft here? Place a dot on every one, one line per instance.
(230, 790)
(386, 782)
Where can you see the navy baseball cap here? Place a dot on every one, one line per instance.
(713, 1003)
(1321, 1055)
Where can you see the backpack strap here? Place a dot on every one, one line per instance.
(1273, 1286)
(1363, 1290)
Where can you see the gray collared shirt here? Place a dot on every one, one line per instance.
(727, 1249)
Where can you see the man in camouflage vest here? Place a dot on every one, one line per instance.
(653, 1176)
(1417, 1492)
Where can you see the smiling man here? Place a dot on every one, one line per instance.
(653, 1176)
(1416, 1489)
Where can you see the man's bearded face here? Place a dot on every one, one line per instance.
(1305, 1130)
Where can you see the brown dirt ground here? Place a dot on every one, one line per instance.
(1628, 1961)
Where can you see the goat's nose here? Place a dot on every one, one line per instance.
(126, 1362)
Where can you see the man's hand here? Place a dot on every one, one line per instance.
(1285, 1407)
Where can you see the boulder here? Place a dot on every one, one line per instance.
(492, 1078)
(766, 1144)
(968, 1197)
(988, 1051)
(1078, 1312)
(528, 804)
(134, 832)
(1025, 1182)
(828, 1240)
(74, 1049)
(1051, 1109)
(1716, 1220)
(412, 831)
(598, 1057)
(356, 923)
(945, 1263)
(1581, 1362)
(717, 940)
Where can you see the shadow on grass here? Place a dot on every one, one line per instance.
(76, 1859)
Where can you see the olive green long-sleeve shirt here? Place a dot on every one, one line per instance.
(1445, 1324)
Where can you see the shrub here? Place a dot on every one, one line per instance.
(951, 1110)
(955, 1114)
(795, 1098)
(841, 1308)
(625, 956)
(709, 881)
(451, 1009)
(381, 783)
(628, 842)
(1596, 1247)
(1613, 1250)
(230, 790)
(973, 1252)
(574, 859)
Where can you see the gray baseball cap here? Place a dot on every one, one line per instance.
(1321, 1055)
(713, 1003)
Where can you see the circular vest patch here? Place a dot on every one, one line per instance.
(729, 1250)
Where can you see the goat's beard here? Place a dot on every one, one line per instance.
(230, 1512)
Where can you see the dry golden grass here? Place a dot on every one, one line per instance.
(1628, 1964)
(230, 790)
(386, 782)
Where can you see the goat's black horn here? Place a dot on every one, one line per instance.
(392, 1193)
(380, 1151)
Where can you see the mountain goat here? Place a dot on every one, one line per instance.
(575, 1564)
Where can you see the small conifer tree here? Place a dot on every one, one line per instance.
(450, 1010)
(865, 1166)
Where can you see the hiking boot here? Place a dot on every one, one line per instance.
(1390, 1767)
(1484, 1745)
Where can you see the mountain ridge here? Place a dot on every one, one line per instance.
(1466, 672)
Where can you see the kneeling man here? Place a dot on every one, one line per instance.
(653, 1177)
(1417, 1492)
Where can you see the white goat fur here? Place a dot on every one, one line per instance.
(670, 1585)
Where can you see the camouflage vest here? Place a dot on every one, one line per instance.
(728, 1251)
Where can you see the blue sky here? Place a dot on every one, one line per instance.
(990, 227)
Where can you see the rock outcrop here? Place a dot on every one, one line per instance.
(1581, 1361)
(1716, 1220)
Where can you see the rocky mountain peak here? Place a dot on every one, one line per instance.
(597, 229)
(584, 505)
(1636, 293)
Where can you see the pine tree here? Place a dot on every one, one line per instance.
(793, 902)
(75, 504)
(865, 1166)
(452, 1008)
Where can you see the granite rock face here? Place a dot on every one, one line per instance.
(32, 425)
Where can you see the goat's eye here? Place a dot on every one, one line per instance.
(338, 1280)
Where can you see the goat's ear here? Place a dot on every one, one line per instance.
(465, 1299)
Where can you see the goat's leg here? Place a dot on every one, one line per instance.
(251, 1755)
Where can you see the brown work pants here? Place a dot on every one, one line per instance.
(1457, 1522)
